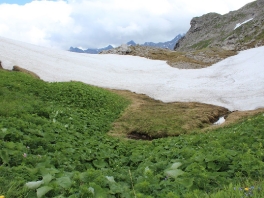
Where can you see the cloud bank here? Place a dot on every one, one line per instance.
(97, 23)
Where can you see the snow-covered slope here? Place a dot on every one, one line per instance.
(236, 83)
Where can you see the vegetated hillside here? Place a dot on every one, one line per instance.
(237, 30)
(53, 143)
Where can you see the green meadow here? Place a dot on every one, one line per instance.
(54, 142)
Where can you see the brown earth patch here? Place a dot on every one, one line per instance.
(19, 69)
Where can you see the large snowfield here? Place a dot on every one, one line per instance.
(236, 83)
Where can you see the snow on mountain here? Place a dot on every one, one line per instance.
(89, 50)
(236, 83)
(239, 24)
(166, 45)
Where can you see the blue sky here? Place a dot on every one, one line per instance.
(19, 2)
(98, 23)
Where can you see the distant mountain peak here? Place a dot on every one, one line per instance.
(90, 50)
(131, 43)
(165, 45)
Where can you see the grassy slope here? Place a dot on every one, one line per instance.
(154, 119)
(56, 133)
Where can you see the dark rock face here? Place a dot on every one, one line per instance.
(237, 30)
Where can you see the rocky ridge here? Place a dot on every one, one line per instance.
(236, 30)
(165, 45)
(182, 60)
(90, 50)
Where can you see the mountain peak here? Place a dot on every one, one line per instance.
(131, 43)
(237, 30)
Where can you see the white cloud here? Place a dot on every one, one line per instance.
(97, 23)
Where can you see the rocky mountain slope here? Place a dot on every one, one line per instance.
(182, 60)
(237, 30)
(165, 45)
(90, 50)
(211, 38)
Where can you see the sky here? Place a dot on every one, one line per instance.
(97, 23)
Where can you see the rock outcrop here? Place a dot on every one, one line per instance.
(181, 60)
(237, 30)
(121, 50)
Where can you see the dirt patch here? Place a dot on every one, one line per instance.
(138, 136)
(17, 68)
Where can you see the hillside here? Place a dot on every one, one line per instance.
(238, 30)
(54, 143)
(230, 83)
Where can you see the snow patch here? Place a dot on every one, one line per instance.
(239, 24)
(236, 83)
(220, 121)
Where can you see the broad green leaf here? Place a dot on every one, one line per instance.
(34, 184)
(174, 173)
(10, 145)
(5, 157)
(110, 179)
(4, 130)
(47, 178)
(3, 133)
(176, 165)
(187, 183)
(64, 182)
(116, 188)
(84, 177)
(99, 192)
(43, 190)
(100, 163)
(91, 189)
